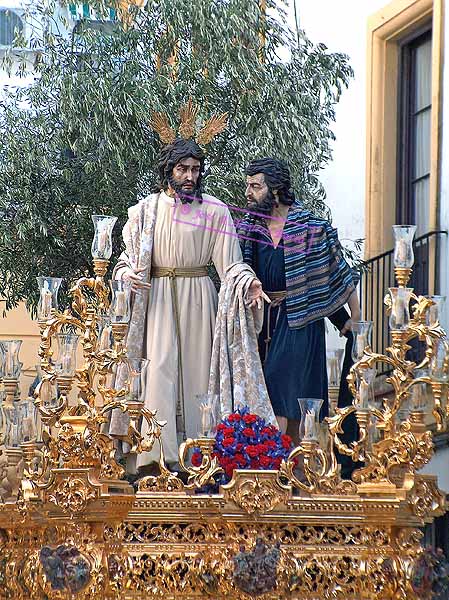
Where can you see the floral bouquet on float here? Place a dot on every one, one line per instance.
(245, 441)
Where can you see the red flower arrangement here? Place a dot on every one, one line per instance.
(245, 441)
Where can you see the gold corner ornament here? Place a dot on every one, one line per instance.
(188, 125)
(72, 526)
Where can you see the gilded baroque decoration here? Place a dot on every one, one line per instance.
(260, 494)
(72, 526)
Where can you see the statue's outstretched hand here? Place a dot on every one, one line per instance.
(347, 327)
(256, 295)
(135, 277)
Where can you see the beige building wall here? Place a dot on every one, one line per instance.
(18, 325)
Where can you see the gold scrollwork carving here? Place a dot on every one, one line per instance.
(72, 495)
(260, 493)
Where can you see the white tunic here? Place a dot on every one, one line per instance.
(184, 236)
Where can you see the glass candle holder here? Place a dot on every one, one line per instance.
(403, 246)
(12, 365)
(137, 374)
(18, 369)
(102, 242)
(12, 432)
(366, 388)
(120, 310)
(436, 310)
(439, 364)
(400, 307)
(310, 418)
(361, 331)
(418, 400)
(208, 406)
(404, 411)
(374, 434)
(48, 296)
(333, 361)
(66, 363)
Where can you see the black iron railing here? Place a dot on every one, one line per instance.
(379, 276)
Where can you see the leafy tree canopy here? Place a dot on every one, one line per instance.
(77, 141)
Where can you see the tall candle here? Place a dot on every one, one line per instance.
(27, 428)
(433, 314)
(398, 310)
(309, 426)
(364, 394)
(104, 342)
(120, 304)
(66, 364)
(9, 368)
(206, 412)
(14, 434)
(402, 251)
(45, 393)
(334, 371)
(360, 344)
(103, 237)
(417, 396)
(46, 301)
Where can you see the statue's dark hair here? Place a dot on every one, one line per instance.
(174, 153)
(277, 177)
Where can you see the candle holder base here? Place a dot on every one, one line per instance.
(119, 331)
(402, 275)
(399, 339)
(64, 383)
(10, 385)
(100, 266)
(417, 421)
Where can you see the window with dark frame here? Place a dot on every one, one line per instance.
(415, 106)
(413, 149)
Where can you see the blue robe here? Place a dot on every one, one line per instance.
(295, 365)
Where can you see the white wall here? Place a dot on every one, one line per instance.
(439, 465)
(342, 27)
(32, 27)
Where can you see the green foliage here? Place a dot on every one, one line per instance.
(77, 141)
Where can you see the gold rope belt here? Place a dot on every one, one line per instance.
(276, 299)
(173, 273)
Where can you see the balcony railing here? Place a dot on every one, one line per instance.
(379, 276)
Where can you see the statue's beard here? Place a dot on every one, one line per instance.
(186, 196)
(265, 207)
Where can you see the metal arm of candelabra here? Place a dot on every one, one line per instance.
(391, 446)
(77, 465)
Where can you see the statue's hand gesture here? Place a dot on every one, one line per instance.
(135, 278)
(256, 295)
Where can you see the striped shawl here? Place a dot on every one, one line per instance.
(318, 278)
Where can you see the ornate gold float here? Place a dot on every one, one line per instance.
(73, 527)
